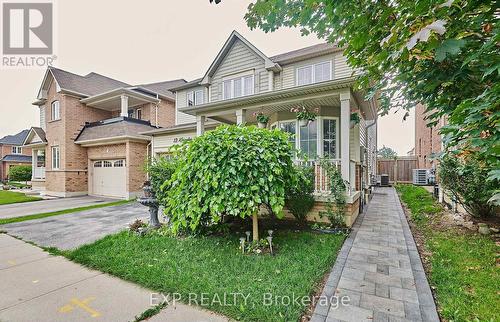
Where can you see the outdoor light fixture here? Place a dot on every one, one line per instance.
(270, 232)
(270, 240)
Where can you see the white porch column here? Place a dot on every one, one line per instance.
(200, 125)
(34, 154)
(345, 118)
(124, 105)
(241, 116)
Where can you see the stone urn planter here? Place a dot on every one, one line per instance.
(149, 200)
(262, 125)
(483, 229)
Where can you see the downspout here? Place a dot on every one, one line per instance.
(156, 111)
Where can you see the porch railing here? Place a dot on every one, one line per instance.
(321, 180)
(38, 173)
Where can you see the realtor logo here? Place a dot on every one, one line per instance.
(28, 38)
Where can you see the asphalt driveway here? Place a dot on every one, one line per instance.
(41, 206)
(72, 230)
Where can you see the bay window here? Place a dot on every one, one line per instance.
(237, 87)
(308, 137)
(314, 73)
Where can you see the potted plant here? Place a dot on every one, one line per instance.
(354, 119)
(262, 119)
(304, 115)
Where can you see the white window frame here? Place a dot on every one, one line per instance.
(55, 111)
(242, 78)
(56, 157)
(313, 76)
(17, 150)
(193, 96)
(320, 131)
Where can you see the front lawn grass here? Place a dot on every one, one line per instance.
(9, 197)
(61, 212)
(213, 266)
(463, 268)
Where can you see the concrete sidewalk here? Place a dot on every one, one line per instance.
(379, 270)
(41, 206)
(36, 286)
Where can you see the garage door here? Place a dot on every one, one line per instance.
(109, 178)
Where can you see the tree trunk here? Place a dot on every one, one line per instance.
(255, 224)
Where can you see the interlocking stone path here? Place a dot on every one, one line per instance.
(379, 270)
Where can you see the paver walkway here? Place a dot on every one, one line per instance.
(379, 270)
(35, 286)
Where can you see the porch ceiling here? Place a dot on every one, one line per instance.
(111, 101)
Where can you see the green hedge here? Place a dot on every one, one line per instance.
(20, 173)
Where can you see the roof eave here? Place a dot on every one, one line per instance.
(113, 139)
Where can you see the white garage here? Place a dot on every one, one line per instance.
(109, 178)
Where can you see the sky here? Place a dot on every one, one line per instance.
(151, 41)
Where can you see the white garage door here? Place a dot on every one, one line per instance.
(109, 178)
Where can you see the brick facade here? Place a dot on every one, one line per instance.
(427, 139)
(6, 149)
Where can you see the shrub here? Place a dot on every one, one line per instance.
(466, 178)
(20, 173)
(160, 170)
(336, 202)
(230, 171)
(299, 197)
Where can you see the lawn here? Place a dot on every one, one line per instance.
(9, 197)
(213, 266)
(61, 212)
(463, 265)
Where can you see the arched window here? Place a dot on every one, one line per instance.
(118, 164)
(98, 164)
(55, 111)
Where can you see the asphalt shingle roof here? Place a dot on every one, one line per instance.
(117, 127)
(163, 88)
(16, 139)
(315, 49)
(17, 158)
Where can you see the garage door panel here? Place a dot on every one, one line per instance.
(109, 178)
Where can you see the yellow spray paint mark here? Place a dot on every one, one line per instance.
(11, 262)
(83, 304)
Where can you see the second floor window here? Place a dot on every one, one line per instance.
(17, 150)
(195, 98)
(237, 87)
(56, 157)
(316, 73)
(55, 111)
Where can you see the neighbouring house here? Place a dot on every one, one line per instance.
(89, 140)
(243, 80)
(12, 153)
(427, 139)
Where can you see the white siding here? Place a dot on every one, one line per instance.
(42, 117)
(181, 101)
(240, 58)
(354, 150)
(340, 69)
(162, 143)
(362, 132)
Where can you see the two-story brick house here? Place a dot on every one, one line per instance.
(89, 140)
(12, 153)
(243, 80)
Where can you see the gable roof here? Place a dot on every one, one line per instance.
(269, 64)
(35, 136)
(88, 85)
(306, 52)
(16, 139)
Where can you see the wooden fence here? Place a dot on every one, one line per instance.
(400, 170)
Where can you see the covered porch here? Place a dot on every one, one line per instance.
(330, 136)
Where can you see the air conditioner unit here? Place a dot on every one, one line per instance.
(420, 177)
(384, 180)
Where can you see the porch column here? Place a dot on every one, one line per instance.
(200, 125)
(124, 105)
(345, 117)
(34, 154)
(241, 116)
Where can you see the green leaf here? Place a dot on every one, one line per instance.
(448, 48)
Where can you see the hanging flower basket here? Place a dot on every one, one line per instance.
(304, 115)
(262, 119)
(354, 119)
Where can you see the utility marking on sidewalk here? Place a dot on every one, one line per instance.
(11, 262)
(83, 304)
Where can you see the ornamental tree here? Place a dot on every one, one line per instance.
(441, 53)
(230, 171)
(387, 153)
